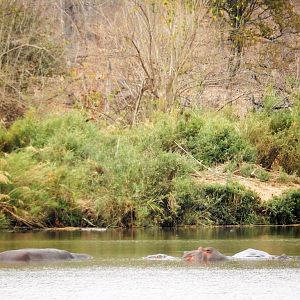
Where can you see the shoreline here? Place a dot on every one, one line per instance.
(103, 229)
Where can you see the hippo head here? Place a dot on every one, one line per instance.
(202, 254)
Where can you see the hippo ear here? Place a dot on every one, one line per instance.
(200, 249)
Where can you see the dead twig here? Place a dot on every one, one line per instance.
(89, 222)
(191, 156)
(236, 99)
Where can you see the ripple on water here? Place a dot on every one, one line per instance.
(149, 283)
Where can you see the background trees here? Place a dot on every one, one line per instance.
(124, 60)
(274, 24)
(251, 21)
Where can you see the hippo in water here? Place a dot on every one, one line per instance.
(208, 254)
(258, 254)
(253, 254)
(160, 257)
(28, 255)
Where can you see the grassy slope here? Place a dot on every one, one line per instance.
(64, 171)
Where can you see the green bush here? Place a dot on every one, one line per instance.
(252, 170)
(138, 183)
(49, 166)
(124, 177)
(208, 137)
(247, 170)
(20, 134)
(3, 221)
(280, 121)
(275, 134)
(158, 192)
(45, 191)
(217, 204)
(262, 175)
(284, 209)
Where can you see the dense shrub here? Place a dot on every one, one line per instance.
(60, 164)
(62, 170)
(44, 191)
(20, 134)
(214, 140)
(217, 204)
(275, 134)
(40, 154)
(208, 137)
(284, 209)
(254, 171)
(3, 221)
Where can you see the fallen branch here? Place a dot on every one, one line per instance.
(10, 210)
(190, 155)
(216, 173)
(89, 222)
(235, 99)
(23, 46)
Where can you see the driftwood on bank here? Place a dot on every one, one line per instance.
(10, 211)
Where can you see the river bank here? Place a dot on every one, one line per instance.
(190, 169)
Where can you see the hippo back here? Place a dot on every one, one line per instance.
(160, 257)
(31, 254)
(192, 256)
(253, 254)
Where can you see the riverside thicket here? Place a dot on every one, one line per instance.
(65, 171)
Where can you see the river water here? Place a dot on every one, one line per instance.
(118, 270)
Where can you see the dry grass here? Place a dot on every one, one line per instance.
(265, 190)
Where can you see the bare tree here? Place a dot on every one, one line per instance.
(160, 45)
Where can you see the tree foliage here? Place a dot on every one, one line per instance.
(252, 20)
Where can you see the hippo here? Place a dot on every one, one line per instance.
(160, 257)
(254, 254)
(210, 254)
(31, 254)
(200, 255)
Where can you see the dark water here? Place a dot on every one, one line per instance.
(119, 272)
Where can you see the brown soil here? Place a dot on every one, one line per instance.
(265, 190)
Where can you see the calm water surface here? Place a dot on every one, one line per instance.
(119, 272)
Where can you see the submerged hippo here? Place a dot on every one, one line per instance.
(208, 254)
(212, 255)
(252, 254)
(28, 255)
(160, 257)
(258, 254)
